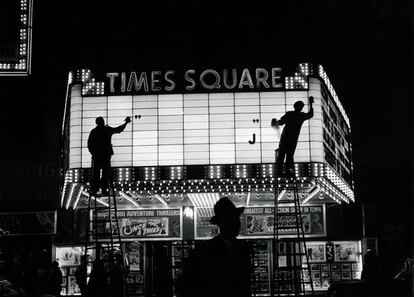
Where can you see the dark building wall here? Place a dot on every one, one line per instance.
(344, 221)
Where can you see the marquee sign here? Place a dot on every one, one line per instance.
(207, 80)
(15, 37)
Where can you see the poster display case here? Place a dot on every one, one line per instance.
(329, 261)
(179, 251)
(344, 264)
(323, 269)
(134, 252)
(69, 260)
(261, 267)
(288, 267)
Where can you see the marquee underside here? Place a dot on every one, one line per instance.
(169, 186)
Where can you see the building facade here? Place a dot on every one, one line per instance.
(195, 137)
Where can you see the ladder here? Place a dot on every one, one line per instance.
(103, 240)
(291, 269)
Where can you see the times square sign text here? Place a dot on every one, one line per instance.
(193, 80)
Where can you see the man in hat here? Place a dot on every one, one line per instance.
(100, 147)
(293, 121)
(221, 266)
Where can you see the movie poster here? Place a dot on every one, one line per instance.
(258, 222)
(132, 227)
(345, 251)
(204, 228)
(69, 256)
(73, 287)
(148, 223)
(134, 254)
(316, 251)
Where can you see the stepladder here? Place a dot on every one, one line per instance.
(291, 268)
(103, 249)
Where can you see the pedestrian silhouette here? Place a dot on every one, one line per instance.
(371, 264)
(81, 274)
(220, 266)
(54, 280)
(98, 280)
(293, 121)
(30, 281)
(118, 276)
(100, 147)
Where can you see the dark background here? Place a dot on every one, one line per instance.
(365, 47)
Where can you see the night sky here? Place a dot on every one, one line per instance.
(365, 47)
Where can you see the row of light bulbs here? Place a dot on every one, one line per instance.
(317, 169)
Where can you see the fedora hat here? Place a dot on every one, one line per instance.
(225, 207)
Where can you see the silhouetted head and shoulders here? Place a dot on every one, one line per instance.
(100, 122)
(221, 265)
(296, 115)
(294, 119)
(100, 126)
(227, 218)
(224, 247)
(298, 106)
(99, 140)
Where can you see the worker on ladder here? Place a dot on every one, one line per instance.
(100, 147)
(293, 121)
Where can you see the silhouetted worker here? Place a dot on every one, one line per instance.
(100, 147)
(293, 121)
(81, 275)
(221, 266)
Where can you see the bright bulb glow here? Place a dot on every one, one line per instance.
(100, 201)
(160, 199)
(310, 196)
(78, 197)
(189, 212)
(128, 198)
(281, 195)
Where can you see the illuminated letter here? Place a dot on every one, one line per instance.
(189, 79)
(123, 81)
(143, 80)
(277, 80)
(233, 78)
(215, 85)
(112, 76)
(246, 79)
(261, 78)
(155, 80)
(132, 81)
(172, 83)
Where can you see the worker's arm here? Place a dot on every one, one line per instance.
(282, 120)
(121, 128)
(309, 114)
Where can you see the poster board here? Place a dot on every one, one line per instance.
(257, 222)
(144, 224)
